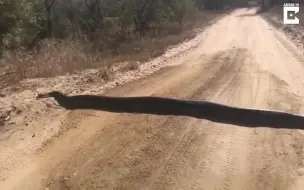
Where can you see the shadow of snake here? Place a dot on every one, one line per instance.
(179, 107)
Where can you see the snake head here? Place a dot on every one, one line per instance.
(49, 95)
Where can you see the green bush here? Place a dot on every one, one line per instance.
(20, 20)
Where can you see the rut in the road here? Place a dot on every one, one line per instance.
(179, 107)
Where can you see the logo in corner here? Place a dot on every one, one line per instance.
(289, 13)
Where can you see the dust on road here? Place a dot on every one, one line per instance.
(243, 62)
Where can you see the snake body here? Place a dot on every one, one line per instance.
(180, 107)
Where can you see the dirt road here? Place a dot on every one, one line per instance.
(243, 62)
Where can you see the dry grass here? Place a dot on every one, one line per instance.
(105, 74)
(54, 58)
(130, 66)
(60, 57)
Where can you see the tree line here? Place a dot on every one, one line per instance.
(23, 23)
(266, 4)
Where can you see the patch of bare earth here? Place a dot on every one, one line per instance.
(26, 125)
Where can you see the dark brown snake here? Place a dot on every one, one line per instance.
(180, 107)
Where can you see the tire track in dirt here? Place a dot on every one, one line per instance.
(213, 81)
(230, 64)
(269, 173)
(232, 152)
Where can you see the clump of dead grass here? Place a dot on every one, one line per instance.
(129, 66)
(105, 74)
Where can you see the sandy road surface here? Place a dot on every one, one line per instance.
(243, 62)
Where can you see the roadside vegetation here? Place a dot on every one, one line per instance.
(274, 15)
(265, 5)
(45, 38)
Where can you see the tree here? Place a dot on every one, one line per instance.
(144, 14)
(8, 18)
(94, 17)
(178, 9)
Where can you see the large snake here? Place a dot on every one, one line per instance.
(180, 107)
